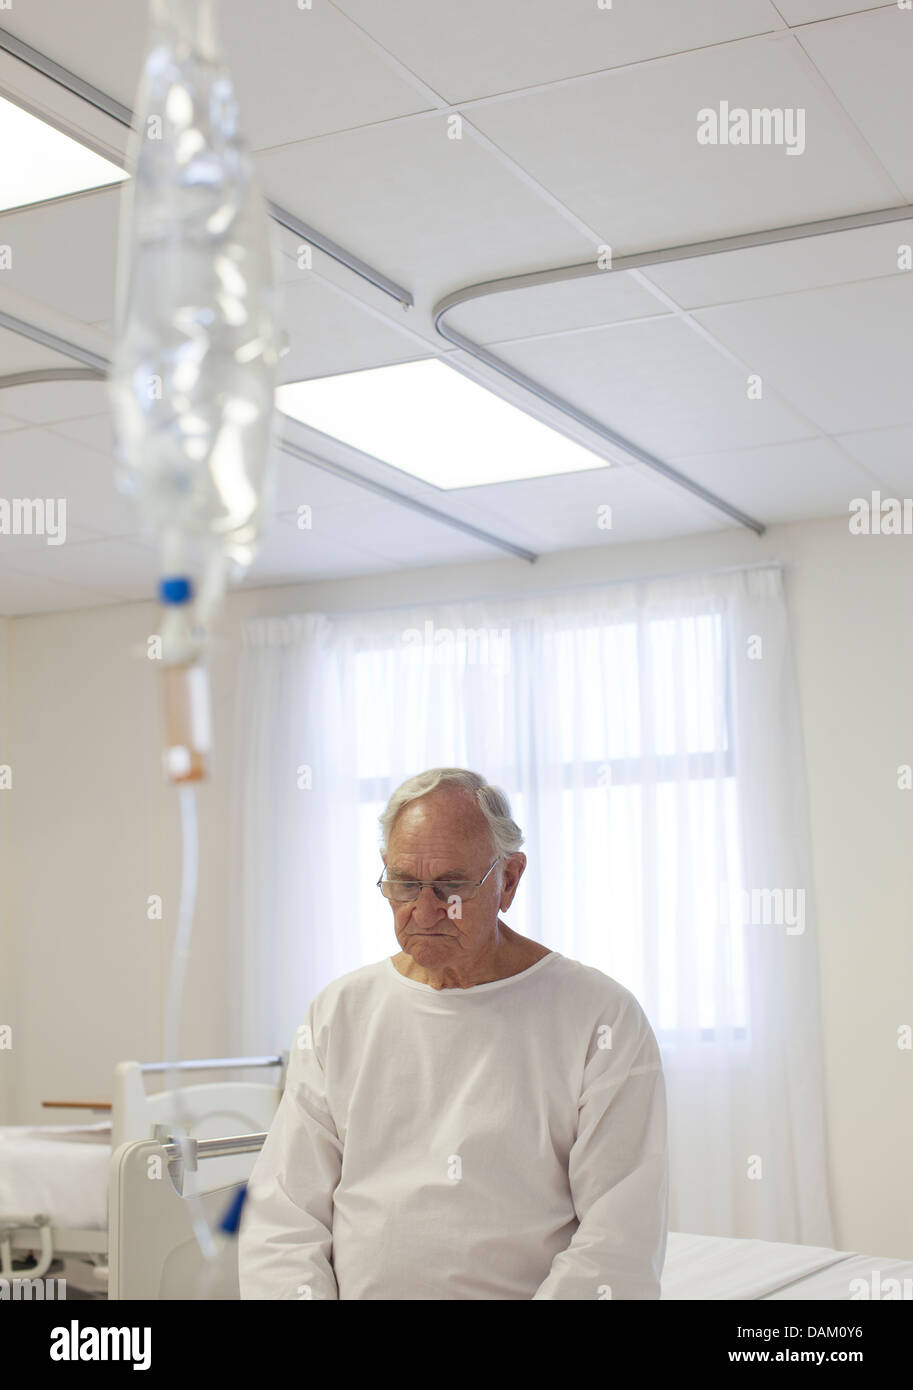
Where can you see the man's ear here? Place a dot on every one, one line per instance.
(518, 864)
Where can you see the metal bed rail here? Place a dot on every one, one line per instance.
(215, 1148)
(214, 1063)
(192, 1150)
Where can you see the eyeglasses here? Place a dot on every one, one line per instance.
(400, 890)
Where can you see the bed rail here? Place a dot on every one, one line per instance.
(213, 1063)
(230, 1146)
(216, 1148)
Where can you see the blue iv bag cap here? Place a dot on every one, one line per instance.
(176, 588)
(232, 1218)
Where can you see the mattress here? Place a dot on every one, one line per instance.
(59, 1171)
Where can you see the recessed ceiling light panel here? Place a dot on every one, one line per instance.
(40, 162)
(433, 422)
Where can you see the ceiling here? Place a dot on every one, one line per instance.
(578, 131)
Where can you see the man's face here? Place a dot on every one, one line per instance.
(444, 836)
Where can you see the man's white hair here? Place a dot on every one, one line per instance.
(505, 833)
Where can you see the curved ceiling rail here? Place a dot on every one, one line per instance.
(639, 261)
(43, 374)
(118, 112)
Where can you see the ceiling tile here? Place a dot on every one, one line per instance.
(11, 545)
(476, 48)
(64, 253)
(288, 555)
(657, 385)
(23, 594)
(887, 454)
(867, 61)
(299, 484)
(95, 432)
(126, 570)
(841, 355)
(288, 77)
(396, 533)
(561, 513)
(807, 11)
(812, 262)
(553, 308)
(285, 62)
(37, 463)
(501, 514)
(329, 333)
(621, 150)
(19, 354)
(797, 481)
(48, 402)
(324, 448)
(432, 213)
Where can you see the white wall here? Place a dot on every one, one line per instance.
(94, 829)
(6, 971)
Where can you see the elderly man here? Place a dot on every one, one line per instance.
(476, 1117)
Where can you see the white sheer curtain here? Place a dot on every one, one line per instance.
(647, 734)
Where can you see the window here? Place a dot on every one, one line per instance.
(641, 768)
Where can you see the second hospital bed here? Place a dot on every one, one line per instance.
(54, 1179)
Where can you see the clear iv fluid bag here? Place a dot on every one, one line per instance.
(193, 376)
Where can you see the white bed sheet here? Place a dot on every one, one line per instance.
(855, 1277)
(60, 1171)
(725, 1267)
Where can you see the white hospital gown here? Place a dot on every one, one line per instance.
(506, 1141)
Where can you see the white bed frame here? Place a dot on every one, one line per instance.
(213, 1109)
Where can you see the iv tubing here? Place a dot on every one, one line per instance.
(179, 955)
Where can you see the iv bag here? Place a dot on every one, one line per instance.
(193, 376)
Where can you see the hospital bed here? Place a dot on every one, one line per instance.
(54, 1179)
(154, 1254)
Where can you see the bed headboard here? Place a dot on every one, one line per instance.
(214, 1108)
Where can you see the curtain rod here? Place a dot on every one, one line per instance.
(641, 260)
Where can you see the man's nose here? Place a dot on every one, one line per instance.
(427, 908)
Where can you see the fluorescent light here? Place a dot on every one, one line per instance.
(434, 423)
(40, 162)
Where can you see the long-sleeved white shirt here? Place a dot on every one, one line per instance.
(506, 1141)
